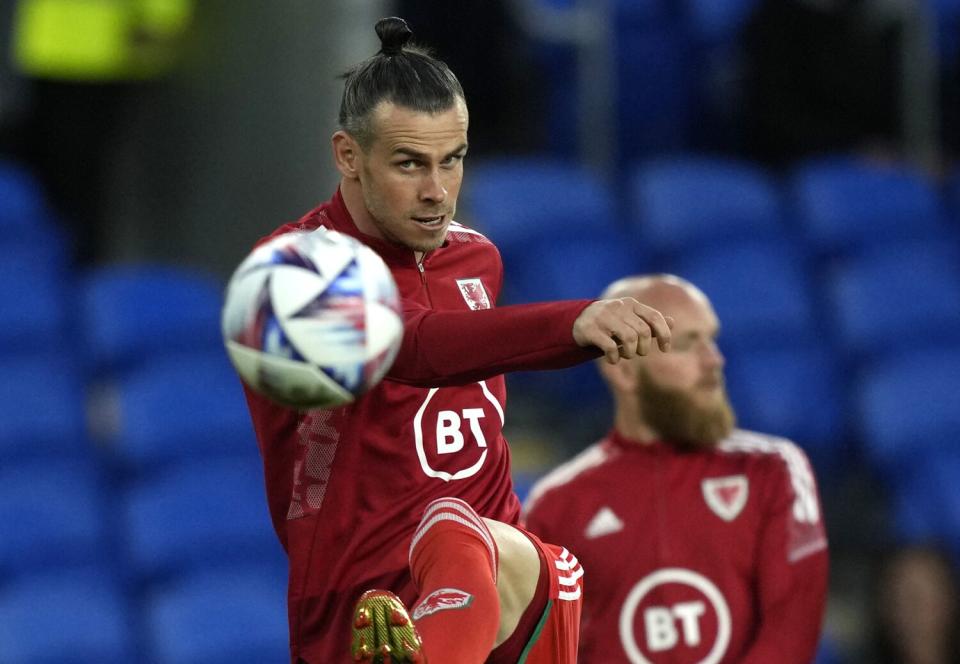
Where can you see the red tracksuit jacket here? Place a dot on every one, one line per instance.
(700, 557)
(346, 487)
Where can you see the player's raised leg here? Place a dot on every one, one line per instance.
(488, 592)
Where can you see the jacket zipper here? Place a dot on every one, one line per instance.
(423, 279)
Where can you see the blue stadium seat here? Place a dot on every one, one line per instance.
(761, 291)
(571, 268)
(714, 22)
(203, 514)
(952, 194)
(134, 312)
(23, 205)
(843, 204)
(53, 516)
(682, 202)
(65, 618)
(177, 408)
(523, 200)
(909, 405)
(41, 407)
(655, 77)
(796, 393)
(925, 505)
(651, 67)
(219, 617)
(37, 302)
(902, 293)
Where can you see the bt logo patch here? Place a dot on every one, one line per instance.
(675, 615)
(452, 441)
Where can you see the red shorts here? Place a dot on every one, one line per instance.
(549, 630)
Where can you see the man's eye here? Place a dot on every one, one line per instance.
(408, 164)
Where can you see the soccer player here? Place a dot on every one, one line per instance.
(408, 491)
(703, 543)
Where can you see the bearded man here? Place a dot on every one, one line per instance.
(705, 543)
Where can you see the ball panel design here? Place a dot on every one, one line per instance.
(288, 382)
(312, 319)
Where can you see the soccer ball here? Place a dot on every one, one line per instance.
(312, 319)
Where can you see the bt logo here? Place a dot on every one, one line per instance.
(448, 436)
(700, 623)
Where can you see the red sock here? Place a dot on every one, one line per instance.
(453, 560)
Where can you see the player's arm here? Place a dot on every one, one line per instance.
(792, 578)
(452, 347)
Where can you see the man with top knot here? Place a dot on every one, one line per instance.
(704, 543)
(406, 493)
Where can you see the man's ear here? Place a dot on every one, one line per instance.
(346, 154)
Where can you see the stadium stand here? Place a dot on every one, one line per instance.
(41, 407)
(761, 290)
(681, 203)
(198, 516)
(219, 617)
(907, 290)
(908, 406)
(129, 313)
(53, 512)
(842, 204)
(66, 618)
(162, 417)
(797, 393)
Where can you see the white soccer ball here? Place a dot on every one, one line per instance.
(312, 319)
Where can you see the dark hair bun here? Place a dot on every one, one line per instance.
(394, 34)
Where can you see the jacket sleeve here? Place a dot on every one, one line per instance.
(792, 579)
(443, 348)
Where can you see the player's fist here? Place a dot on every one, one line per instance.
(622, 327)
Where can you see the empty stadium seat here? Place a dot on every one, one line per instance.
(53, 516)
(909, 405)
(761, 291)
(717, 22)
(23, 208)
(517, 202)
(843, 204)
(796, 393)
(902, 293)
(134, 312)
(65, 618)
(655, 74)
(680, 203)
(41, 407)
(571, 268)
(177, 408)
(200, 515)
(37, 301)
(925, 503)
(219, 617)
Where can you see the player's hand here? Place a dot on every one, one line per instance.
(622, 327)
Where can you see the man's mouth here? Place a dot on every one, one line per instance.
(430, 221)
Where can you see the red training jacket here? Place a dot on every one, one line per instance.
(346, 487)
(711, 556)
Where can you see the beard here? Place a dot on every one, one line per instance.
(679, 420)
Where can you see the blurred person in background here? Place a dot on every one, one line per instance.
(916, 608)
(406, 493)
(702, 542)
(84, 64)
(822, 76)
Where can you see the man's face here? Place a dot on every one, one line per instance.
(410, 174)
(681, 393)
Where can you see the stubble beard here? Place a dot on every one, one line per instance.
(388, 229)
(679, 421)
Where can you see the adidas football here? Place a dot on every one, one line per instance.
(312, 319)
